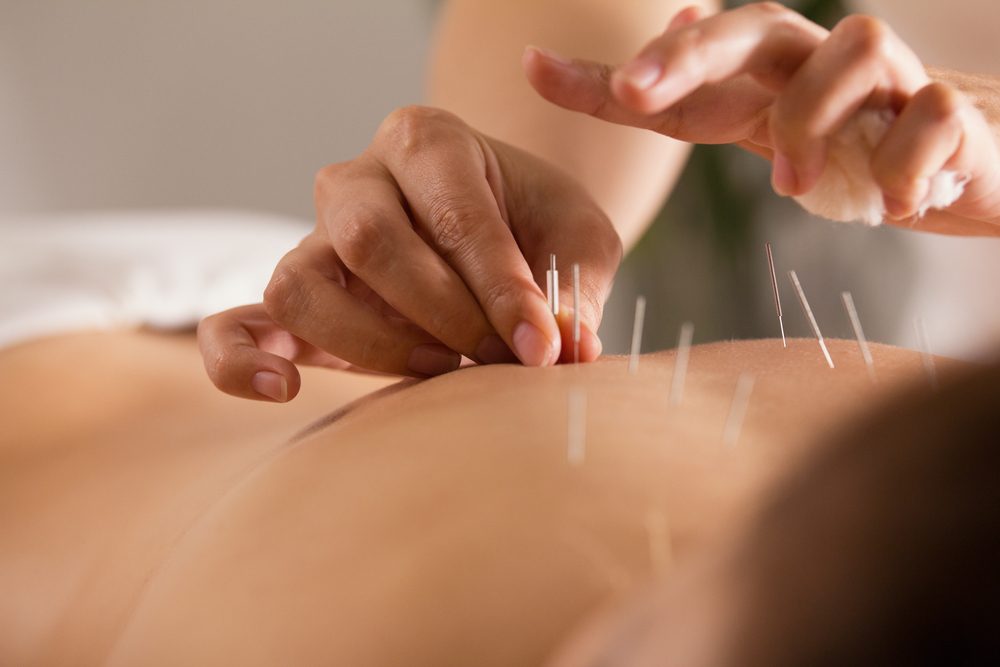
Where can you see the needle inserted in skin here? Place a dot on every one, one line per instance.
(658, 533)
(925, 352)
(640, 316)
(576, 445)
(809, 315)
(576, 313)
(552, 285)
(738, 409)
(774, 288)
(852, 314)
(681, 364)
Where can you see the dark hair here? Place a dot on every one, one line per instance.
(884, 547)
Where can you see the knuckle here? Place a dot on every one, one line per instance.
(206, 326)
(500, 293)
(217, 365)
(688, 46)
(769, 9)
(411, 128)
(284, 293)
(866, 36)
(890, 178)
(326, 177)
(939, 101)
(451, 222)
(358, 238)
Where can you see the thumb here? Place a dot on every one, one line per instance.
(588, 253)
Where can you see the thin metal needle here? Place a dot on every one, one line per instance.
(576, 313)
(738, 409)
(774, 288)
(925, 351)
(681, 364)
(852, 314)
(809, 315)
(640, 316)
(576, 444)
(552, 285)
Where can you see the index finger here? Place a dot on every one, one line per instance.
(454, 188)
(765, 40)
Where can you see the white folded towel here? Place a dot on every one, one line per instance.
(162, 269)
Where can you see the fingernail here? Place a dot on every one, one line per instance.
(550, 55)
(642, 73)
(896, 208)
(783, 176)
(271, 385)
(531, 345)
(492, 350)
(433, 359)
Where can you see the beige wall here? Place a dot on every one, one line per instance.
(110, 104)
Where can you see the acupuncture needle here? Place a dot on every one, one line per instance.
(576, 313)
(681, 364)
(577, 426)
(552, 285)
(774, 288)
(852, 314)
(738, 409)
(809, 315)
(640, 316)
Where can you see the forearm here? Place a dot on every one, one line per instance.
(475, 71)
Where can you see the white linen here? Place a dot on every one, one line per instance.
(162, 269)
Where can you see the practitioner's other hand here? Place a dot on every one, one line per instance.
(764, 77)
(429, 246)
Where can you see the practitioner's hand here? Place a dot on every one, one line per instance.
(430, 245)
(764, 77)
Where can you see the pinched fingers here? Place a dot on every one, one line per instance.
(308, 298)
(579, 334)
(364, 217)
(579, 235)
(937, 129)
(862, 64)
(684, 17)
(455, 193)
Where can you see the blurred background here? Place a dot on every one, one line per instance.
(147, 139)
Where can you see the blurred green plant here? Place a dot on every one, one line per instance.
(731, 208)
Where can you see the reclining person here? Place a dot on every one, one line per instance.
(439, 522)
